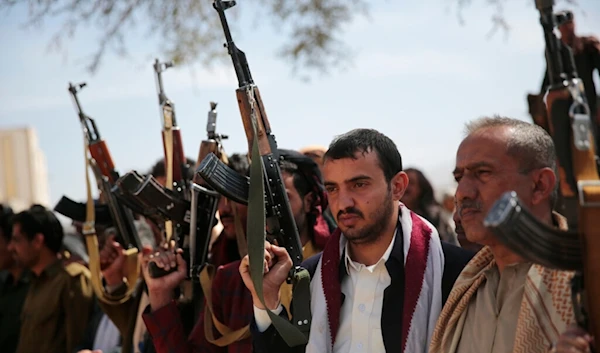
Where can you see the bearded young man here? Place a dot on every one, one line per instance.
(501, 303)
(382, 278)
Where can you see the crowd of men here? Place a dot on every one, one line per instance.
(391, 268)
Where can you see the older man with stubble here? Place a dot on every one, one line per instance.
(502, 303)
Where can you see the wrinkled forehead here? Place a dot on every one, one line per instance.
(488, 147)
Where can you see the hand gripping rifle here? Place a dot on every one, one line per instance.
(571, 129)
(268, 204)
(175, 162)
(98, 157)
(159, 202)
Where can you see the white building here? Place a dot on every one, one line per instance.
(23, 170)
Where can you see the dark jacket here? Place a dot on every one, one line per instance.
(455, 260)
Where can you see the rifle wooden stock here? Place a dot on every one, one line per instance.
(580, 181)
(262, 122)
(101, 154)
(178, 157)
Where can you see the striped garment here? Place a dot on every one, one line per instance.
(546, 309)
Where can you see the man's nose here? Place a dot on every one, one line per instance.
(466, 189)
(345, 200)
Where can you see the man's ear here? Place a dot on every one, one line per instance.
(307, 202)
(38, 240)
(544, 182)
(399, 183)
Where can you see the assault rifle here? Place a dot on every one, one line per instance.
(98, 157)
(106, 176)
(158, 202)
(571, 129)
(269, 187)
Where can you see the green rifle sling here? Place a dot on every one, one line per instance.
(296, 333)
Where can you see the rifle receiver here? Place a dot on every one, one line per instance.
(89, 126)
(242, 70)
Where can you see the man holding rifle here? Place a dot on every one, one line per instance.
(381, 280)
(232, 303)
(502, 303)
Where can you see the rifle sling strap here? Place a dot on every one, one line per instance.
(228, 336)
(240, 233)
(295, 333)
(91, 240)
(168, 138)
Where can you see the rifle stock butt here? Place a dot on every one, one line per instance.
(179, 161)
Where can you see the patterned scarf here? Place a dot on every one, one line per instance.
(423, 268)
(546, 309)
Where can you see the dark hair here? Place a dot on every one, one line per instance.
(239, 163)
(365, 141)
(38, 219)
(159, 168)
(427, 197)
(307, 178)
(6, 213)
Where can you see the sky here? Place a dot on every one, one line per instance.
(417, 75)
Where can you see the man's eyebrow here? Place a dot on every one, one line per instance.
(351, 180)
(358, 178)
(475, 165)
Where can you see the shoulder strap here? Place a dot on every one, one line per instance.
(91, 241)
(296, 333)
(228, 336)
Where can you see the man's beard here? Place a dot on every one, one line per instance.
(371, 232)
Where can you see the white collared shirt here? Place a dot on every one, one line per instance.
(360, 315)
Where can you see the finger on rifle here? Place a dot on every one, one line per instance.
(570, 344)
(181, 264)
(244, 266)
(279, 252)
(161, 260)
(147, 249)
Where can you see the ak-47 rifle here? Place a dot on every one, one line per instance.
(267, 198)
(571, 129)
(158, 202)
(106, 175)
(98, 157)
(175, 162)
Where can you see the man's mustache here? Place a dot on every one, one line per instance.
(469, 205)
(350, 211)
